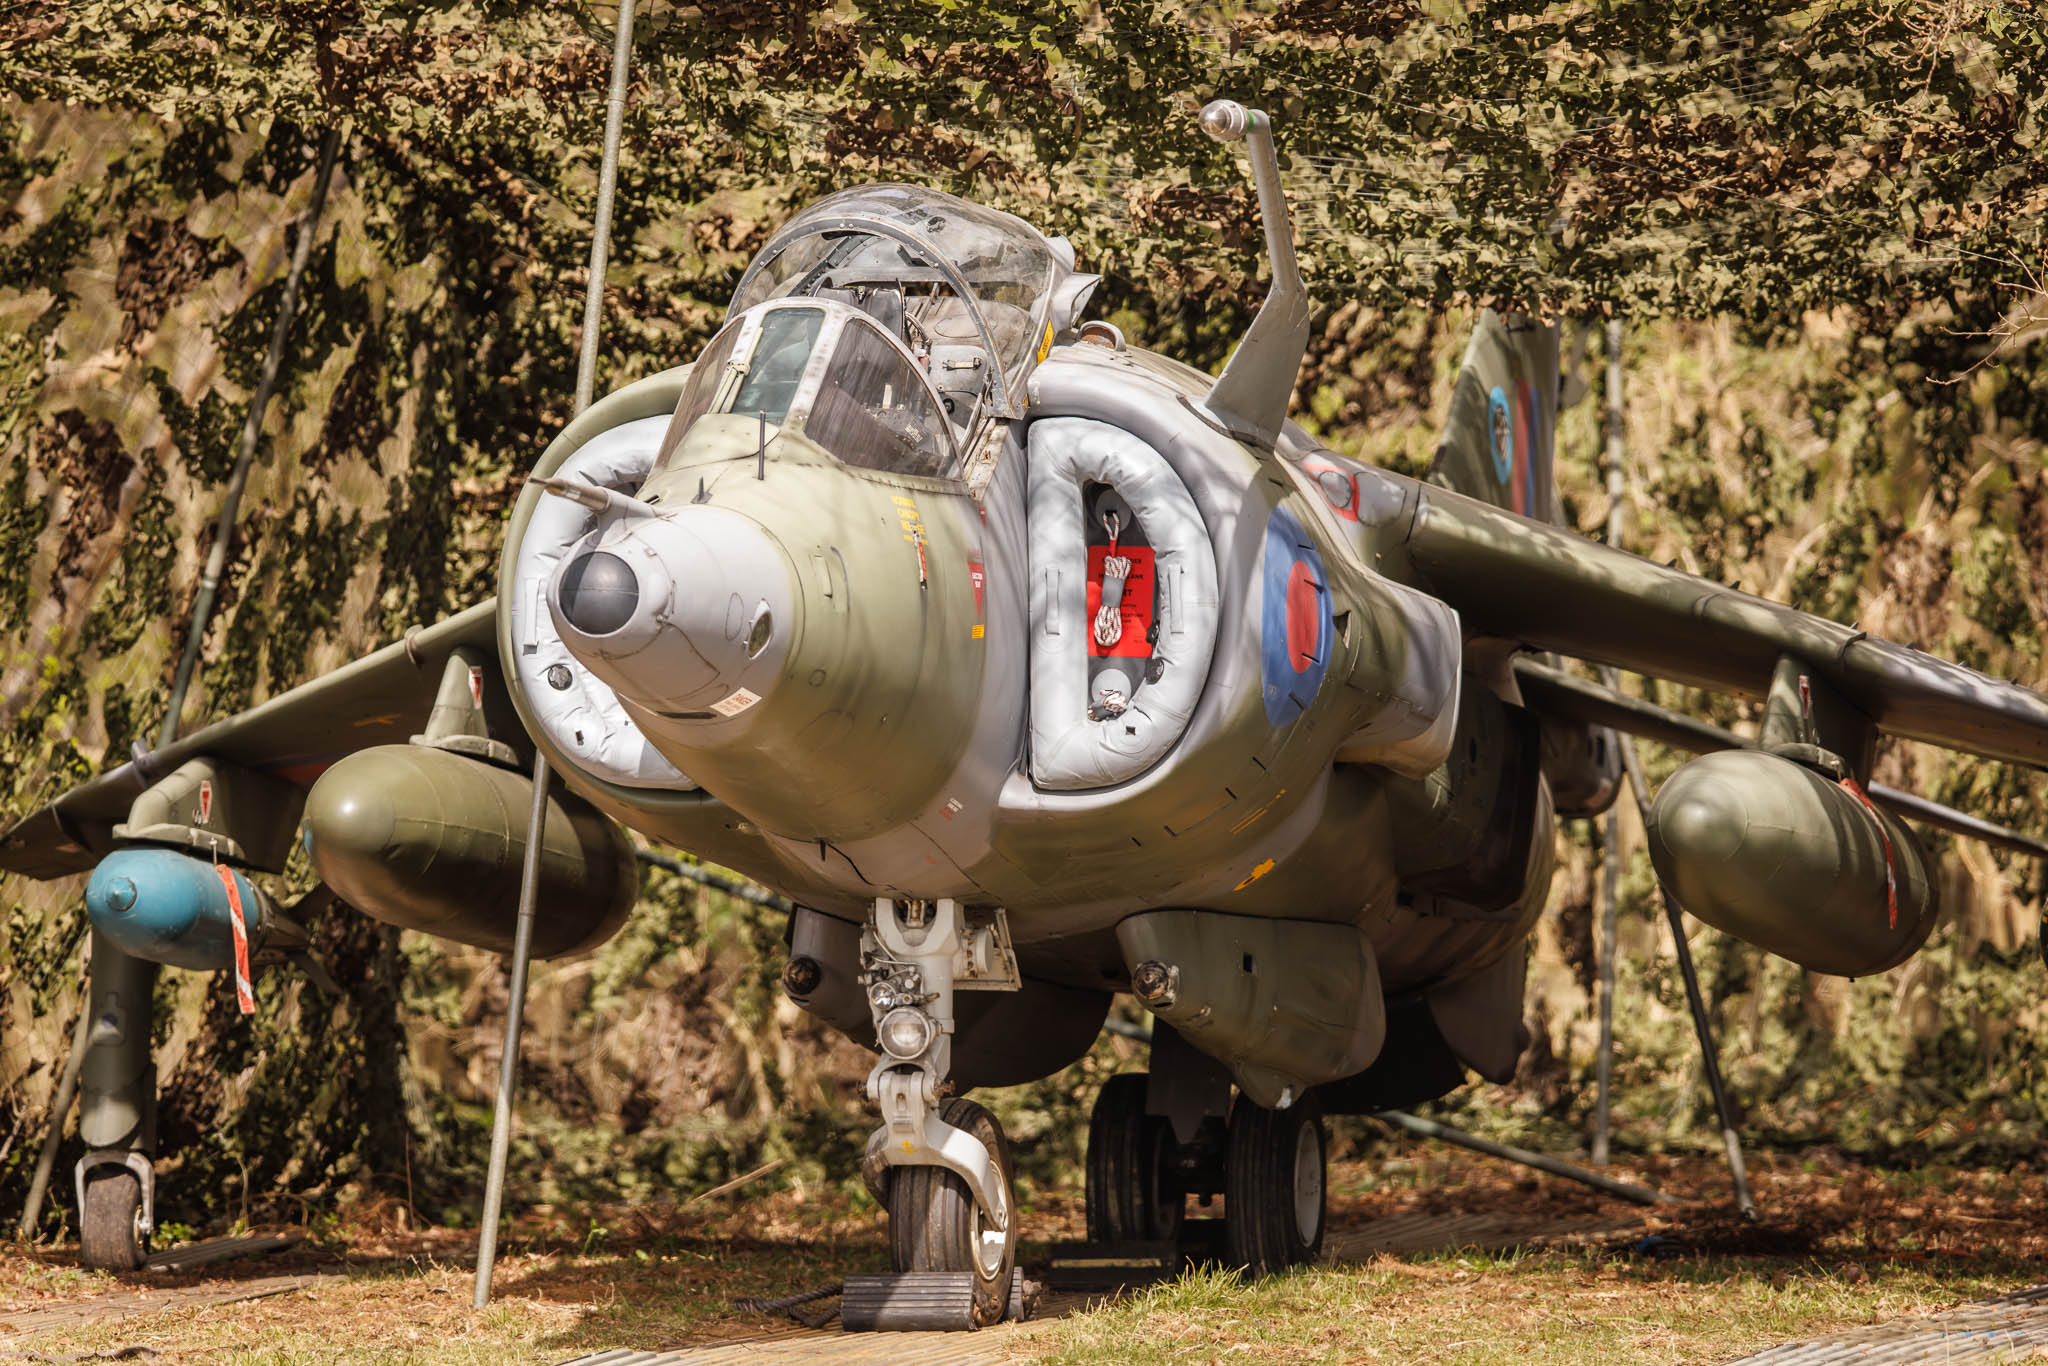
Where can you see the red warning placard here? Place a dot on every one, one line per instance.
(1135, 607)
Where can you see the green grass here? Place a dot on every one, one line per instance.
(1841, 1245)
(1539, 1309)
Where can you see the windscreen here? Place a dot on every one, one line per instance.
(764, 380)
(874, 410)
(776, 367)
(706, 378)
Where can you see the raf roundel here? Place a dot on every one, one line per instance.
(1294, 622)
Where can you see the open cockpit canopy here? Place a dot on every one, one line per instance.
(969, 290)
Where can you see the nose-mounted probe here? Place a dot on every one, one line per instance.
(597, 499)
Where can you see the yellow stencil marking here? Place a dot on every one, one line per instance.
(908, 518)
(979, 630)
(1258, 813)
(1257, 873)
(1045, 344)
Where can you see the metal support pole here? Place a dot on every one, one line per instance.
(1429, 1128)
(1610, 828)
(1708, 1059)
(252, 429)
(60, 1109)
(1603, 1071)
(522, 941)
(508, 1064)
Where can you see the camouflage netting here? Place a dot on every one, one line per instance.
(1849, 196)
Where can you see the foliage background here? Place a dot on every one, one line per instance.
(1820, 223)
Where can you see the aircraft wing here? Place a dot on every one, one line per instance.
(1551, 589)
(380, 699)
(1554, 692)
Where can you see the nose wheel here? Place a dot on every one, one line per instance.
(935, 1224)
(1274, 1190)
(1135, 1192)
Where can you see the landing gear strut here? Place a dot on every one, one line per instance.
(939, 1163)
(117, 1113)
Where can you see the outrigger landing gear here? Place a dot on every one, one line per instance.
(117, 1113)
(940, 1164)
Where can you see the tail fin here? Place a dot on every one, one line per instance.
(1501, 435)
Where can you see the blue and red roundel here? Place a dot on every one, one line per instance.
(1294, 620)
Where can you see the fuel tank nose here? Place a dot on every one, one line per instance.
(687, 614)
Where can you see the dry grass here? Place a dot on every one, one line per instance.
(1841, 1245)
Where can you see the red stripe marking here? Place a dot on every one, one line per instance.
(244, 997)
(1891, 880)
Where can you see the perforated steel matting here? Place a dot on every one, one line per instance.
(22, 1322)
(1402, 1234)
(2011, 1328)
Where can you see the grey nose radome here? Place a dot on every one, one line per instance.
(598, 592)
(687, 615)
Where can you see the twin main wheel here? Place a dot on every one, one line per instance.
(1135, 1194)
(1272, 1180)
(935, 1224)
(1274, 1192)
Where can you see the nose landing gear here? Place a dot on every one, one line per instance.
(939, 1163)
(936, 1225)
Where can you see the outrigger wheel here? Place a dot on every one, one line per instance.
(1273, 1192)
(934, 1224)
(1134, 1187)
(110, 1234)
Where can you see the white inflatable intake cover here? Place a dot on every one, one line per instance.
(584, 719)
(1069, 748)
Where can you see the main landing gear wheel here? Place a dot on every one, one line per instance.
(1134, 1187)
(934, 1224)
(1273, 1196)
(110, 1225)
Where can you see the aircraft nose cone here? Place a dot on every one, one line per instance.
(686, 615)
(598, 592)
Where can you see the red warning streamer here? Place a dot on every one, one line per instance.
(1891, 880)
(244, 997)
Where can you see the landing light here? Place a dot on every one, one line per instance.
(905, 1032)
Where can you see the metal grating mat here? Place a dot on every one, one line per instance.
(927, 1349)
(220, 1250)
(2011, 1328)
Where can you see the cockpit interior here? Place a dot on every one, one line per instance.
(889, 324)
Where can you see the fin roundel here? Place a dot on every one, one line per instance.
(1500, 435)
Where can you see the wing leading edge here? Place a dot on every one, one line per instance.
(1551, 589)
(380, 699)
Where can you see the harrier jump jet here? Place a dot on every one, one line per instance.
(1034, 667)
